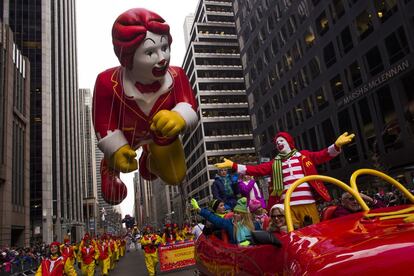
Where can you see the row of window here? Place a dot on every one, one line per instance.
(380, 121)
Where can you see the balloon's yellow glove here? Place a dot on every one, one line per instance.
(227, 164)
(344, 139)
(194, 204)
(167, 123)
(123, 160)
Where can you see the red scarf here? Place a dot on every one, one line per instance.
(148, 88)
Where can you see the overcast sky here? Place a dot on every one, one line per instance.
(95, 51)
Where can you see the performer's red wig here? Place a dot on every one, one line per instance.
(129, 31)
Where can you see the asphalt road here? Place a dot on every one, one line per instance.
(133, 264)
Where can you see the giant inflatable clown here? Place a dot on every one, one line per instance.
(142, 103)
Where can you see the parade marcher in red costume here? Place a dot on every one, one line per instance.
(55, 264)
(149, 243)
(68, 250)
(144, 102)
(88, 254)
(105, 254)
(290, 165)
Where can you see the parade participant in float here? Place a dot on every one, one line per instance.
(277, 222)
(238, 228)
(350, 205)
(259, 214)
(68, 250)
(55, 264)
(225, 189)
(104, 253)
(149, 243)
(87, 256)
(290, 165)
(144, 102)
(249, 189)
(187, 232)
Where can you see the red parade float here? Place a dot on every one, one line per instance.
(370, 242)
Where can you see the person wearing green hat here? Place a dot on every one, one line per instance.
(238, 228)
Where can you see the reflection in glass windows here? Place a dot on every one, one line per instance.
(363, 24)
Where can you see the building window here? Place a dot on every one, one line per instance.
(276, 102)
(284, 94)
(296, 51)
(321, 99)
(353, 74)
(315, 2)
(385, 9)
(270, 23)
(391, 132)
(289, 120)
(351, 150)
(275, 47)
(309, 38)
(374, 61)
(397, 45)
(329, 137)
(337, 87)
(346, 39)
(322, 24)
(408, 84)
(364, 24)
(337, 10)
(308, 107)
(329, 55)
(314, 67)
(367, 126)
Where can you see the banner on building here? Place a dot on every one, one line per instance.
(177, 255)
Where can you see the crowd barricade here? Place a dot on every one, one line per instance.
(23, 266)
(176, 255)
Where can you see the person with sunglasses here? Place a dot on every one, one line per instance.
(349, 205)
(276, 223)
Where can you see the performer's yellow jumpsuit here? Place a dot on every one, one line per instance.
(60, 266)
(150, 242)
(87, 256)
(105, 253)
(115, 253)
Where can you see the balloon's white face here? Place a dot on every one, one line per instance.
(151, 59)
(282, 145)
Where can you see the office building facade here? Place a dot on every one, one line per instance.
(213, 65)
(319, 68)
(89, 187)
(45, 31)
(14, 142)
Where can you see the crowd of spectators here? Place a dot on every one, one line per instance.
(19, 260)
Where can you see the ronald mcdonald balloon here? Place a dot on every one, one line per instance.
(144, 103)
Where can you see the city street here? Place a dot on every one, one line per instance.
(133, 264)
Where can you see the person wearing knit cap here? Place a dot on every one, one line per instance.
(290, 165)
(218, 207)
(238, 228)
(55, 264)
(259, 214)
(249, 188)
(277, 222)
